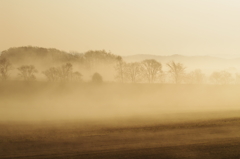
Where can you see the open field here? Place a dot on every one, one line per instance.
(47, 120)
(195, 139)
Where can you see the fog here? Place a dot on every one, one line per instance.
(46, 101)
(142, 79)
(115, 109)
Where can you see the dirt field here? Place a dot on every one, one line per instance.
(195, 139)
(46, 120)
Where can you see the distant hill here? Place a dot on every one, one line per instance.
(38, 55)
(51, 56)
(44, 58)
(206, 63)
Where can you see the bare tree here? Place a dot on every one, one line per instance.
(177, 71)
(195, 77)
(27, 72)
(151, 70)
(120, 69)
(66, 72)
(52, 74)
(221, 77)
(5, 66)
(63, 73)
(133, 72)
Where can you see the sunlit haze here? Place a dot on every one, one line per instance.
(110, 79)
(124, 27)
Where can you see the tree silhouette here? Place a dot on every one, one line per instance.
(151, 69)
(221, 77)
(77, 76)
(45, 56)
(97, 78)
(63, 73)
(99, 57)
(66, 72)
(195, 77)
(27, 72)
(120, 69)
(52, 74)
(5, 66)
(133, 72)
(177, 71)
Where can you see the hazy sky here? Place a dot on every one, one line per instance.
(124, 27)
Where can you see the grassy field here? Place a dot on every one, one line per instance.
(46, 120)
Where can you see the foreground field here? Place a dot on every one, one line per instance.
(37, 101)
(84, 120)
(196, 139)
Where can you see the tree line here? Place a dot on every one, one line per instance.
(58, 66)
(51, 56)
(147, 71)
(150, 71)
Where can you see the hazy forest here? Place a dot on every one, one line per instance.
(57, 104)
(42, 64)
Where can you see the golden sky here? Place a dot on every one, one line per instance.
(124, 27)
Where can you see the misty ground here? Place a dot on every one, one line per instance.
(72, 120)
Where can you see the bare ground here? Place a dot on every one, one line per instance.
(216, 138)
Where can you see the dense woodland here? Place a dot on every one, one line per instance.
(36, 63)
